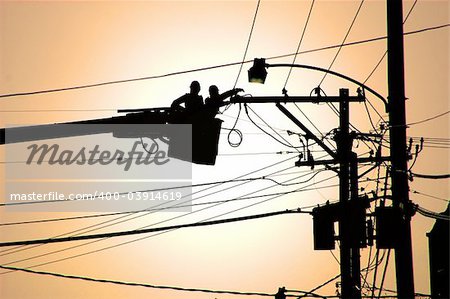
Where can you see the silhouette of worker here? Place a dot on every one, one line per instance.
(192, 101)
(216, 100)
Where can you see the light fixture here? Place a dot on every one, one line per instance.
(257, 73)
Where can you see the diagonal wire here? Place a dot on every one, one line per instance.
(300, 42)
(248, 43)
(369, 40)
(381, 60)
(343, 42)
(156, 234)
(385, 53)
(147, 212)
(134, 283)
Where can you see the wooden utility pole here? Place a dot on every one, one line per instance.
(399, 175)
(349, 251)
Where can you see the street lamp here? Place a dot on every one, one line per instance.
(258, 73)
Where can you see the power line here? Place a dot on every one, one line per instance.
(343, 41)
(118, 282)
(385, 53)
(430, 196)
(432, 28)
(384, 273)
(430, 176)
(333, 108)
(370, 117)
(369, 40)
(134, 283)
(320, 286)
(336, 277)
(138, 216)
(429, 119)
(315, 127)
(285, 143)
(58, 110)
(177, 205)
(146, 231)
(147, 190)
(300, 42)
(431, 138)
(233, 117)
(377, 66)
(147, 213)
(261, 153)
(431, 214)
(166, 208)
(331, 105)
(119, 81)
(154, 235)
(248, 42)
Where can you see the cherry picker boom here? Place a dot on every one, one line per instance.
(205, 131)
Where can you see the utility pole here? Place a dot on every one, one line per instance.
(349, 249)
(397, 121)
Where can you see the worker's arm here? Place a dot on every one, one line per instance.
(177, 103)
(229, 93)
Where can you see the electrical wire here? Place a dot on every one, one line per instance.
(148, 212)
(236, 131)
(144, 191)
(314, 126)
(299, 43)
(164, 208)
(429, 119)
(343, 41)
(377, 254)
(430, 196)
(117, 282)
(285, 143)
(426, 29)
(384, 273)
(144, 146)
(222, 155)
(331, 105)
(248, 43)
(320, 286)
(431, 214)
(329, 281)
(205, 189)
(430, 176)
(59, 110)
(84, 278)
(385, 53)
(261, 153)
(145, 231)
(246, 120)
(119, 220)
(154, 235)
(370, 117)
(378, 65)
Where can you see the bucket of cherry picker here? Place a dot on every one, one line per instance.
(205, 141)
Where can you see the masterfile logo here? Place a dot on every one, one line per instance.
(56, 156)
(98, 168)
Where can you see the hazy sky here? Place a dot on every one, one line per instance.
(54, 44)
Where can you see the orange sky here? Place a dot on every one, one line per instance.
(45, 45)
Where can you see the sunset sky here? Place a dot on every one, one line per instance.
(57, 44)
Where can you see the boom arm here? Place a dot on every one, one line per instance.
(62, 130)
